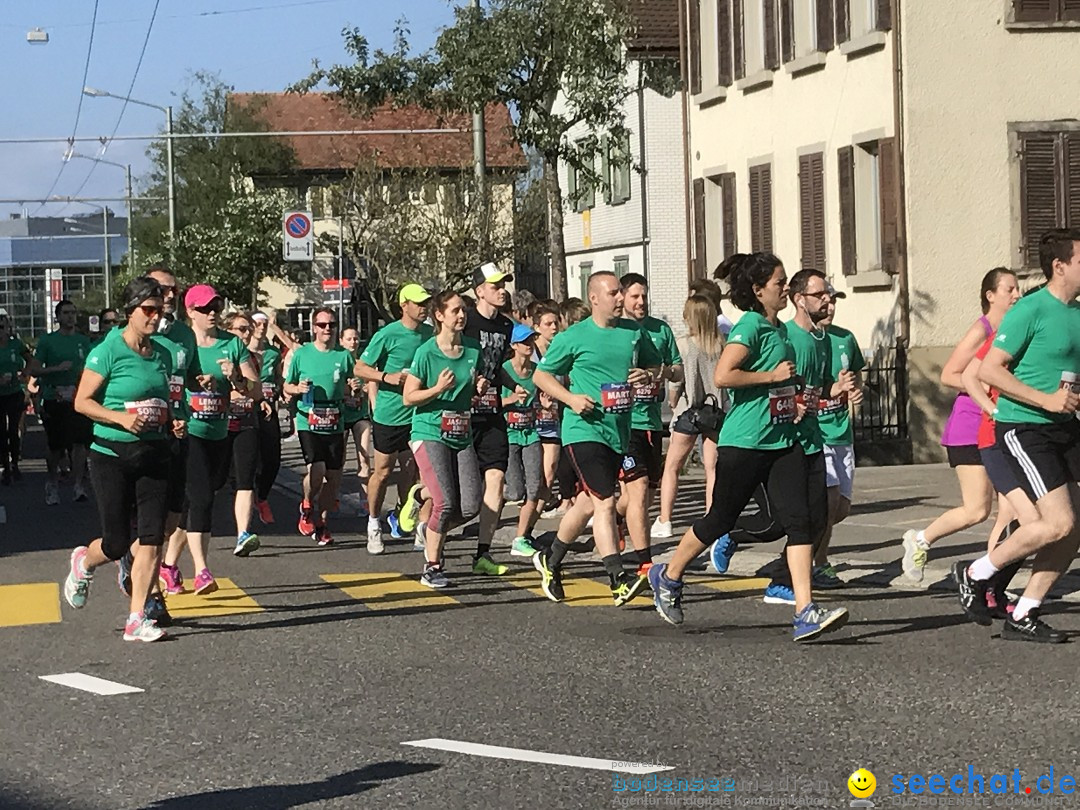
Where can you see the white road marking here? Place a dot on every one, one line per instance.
(525, 755)
(891, 488)
(88, 683)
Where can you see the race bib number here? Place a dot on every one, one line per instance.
(835, 405)
(207, 406)
(455, 425)
(782, 407)
(323, 420)
(488, 402)
(520, 420)
(241, 413)
(547, 419)
(65, 393)
(176, 390)
(1069, 380)
(616, 397)
(268, 392)
(810, 397)
(155, 412)
(648, 392)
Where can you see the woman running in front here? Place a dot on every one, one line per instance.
(759, 433)
(998, 292)
(226, 358)
(124, 389)
(440, 386)
(268, 360)
(244, 417)
(319, 374)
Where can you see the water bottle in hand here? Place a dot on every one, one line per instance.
(309, 396)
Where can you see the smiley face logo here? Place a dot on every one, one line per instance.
(862, 784)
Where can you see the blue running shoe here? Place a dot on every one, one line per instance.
(721, 552)
(667, 595)
(155, 611)
(246, 543)
(777, 594)
(813, 621)
(123, 574)
(395, 526)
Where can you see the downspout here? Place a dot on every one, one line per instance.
(646, 239)
(684, 74)
(901, 190)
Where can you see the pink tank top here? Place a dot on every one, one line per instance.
(962, 428)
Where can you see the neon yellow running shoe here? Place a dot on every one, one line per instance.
(486, 565)
(410, 510)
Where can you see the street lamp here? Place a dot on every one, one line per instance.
(127, 184)
(108, 262)
(96, 93)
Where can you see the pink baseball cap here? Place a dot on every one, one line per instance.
(199, 296)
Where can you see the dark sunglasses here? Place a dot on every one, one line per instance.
(167, 288)
(206, 310)
(110, 321)
(325, 324)
(147, 309)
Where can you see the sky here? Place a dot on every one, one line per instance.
(254, 45)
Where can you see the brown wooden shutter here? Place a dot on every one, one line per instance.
(1040, 208)
(1071, 178)
(787, 30)
(826, 26)
(761, 224)
(843, 20)
(812, 211)
(772, 36)
(887, 184)
(766, 209)
(695, 46)
(728, 213)
(699, 227)
(738, 39)
(1035, 10)
(1070, 10)
(884, 15)
(817, 168)
(845, 173)
(723, 42)
(755, 209)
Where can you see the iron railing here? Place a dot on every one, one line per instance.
(882, 416)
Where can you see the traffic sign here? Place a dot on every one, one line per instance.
(333, 284)
(298, 241)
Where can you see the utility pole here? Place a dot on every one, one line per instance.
(134, 262)
(172, 181)
(108, 262)
(480, 169)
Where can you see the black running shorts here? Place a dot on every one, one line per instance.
(1044, 457)
(597, 467)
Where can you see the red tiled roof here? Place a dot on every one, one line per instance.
(657, 28)
(293, 112)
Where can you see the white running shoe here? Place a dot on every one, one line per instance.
(419, 542)
(374, 538)
(914, 560)
(141, 628)
(661, 530)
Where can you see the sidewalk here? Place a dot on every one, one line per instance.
(865, 548)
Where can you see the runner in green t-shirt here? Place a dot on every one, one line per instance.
(357, 409)
(758, 436)
(605, 356)
(59, 358)
(643, 465)
(271, 373)
(125, 391)
(15, 356)
(385, 363)
(439, 386)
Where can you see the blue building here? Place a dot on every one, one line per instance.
(44, 259)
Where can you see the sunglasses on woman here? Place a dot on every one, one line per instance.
(206, 310)
(149, 310)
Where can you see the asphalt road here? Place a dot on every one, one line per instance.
(305, 698)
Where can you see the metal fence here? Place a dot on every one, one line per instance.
(882, 416)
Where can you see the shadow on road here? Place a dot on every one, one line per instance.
(275, 797)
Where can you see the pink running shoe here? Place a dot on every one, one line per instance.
(170, 578)
(265, 515)
(305, 525)
(140, 628)
(323, 536)
(205, 583)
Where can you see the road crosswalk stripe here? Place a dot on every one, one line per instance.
(580, 592)
(388, 591)
(29, 603)
(227, 600)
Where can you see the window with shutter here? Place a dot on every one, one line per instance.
(843, 20)
(826, 30)
(787, 30)
(1036, 10)
(1070, 10)
(887, 185)
(761, 226)
(694, 38)
(728, 220)
(755, 209)
(766, 209)
(812, 211)
(738, 39)
(725, 72)
(1041, 207)
(845, 172)
(883, 15)
(771, 34)
(699, 227)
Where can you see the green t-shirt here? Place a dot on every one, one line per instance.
(649, 398)
(521, 419)
(834, 415)
(761, 416)
(812, 364)
(210, 409)
(1040, 334)
(446, 418)
(270, 373)
(328, 370)
(356, 405)
(12, 361)
(391, 350)
(179, 341)
(132, 383)
(598, 360)
(52, 350)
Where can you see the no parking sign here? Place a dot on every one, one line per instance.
(298, 243)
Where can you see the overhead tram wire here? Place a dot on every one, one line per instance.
(321, 133)
(78, 110)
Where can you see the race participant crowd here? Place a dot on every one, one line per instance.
(468, 408)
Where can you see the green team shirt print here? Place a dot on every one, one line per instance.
(598, 360)
(521, 419)
(649, 398)
(209, 410)
(356, 405)
(54, 349)
(328, 370)
(446, 418)
(812, 364)
(1040, 334)
(391, 350)
(12, 362)
(834, 415)
(132, 384)
(178, 339)
(761, 416)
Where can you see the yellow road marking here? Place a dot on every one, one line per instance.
(31, 603)
(225, 601)
(579, 592)
(388, 591)
(732, 584)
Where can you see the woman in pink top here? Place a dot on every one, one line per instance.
(999, 291)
